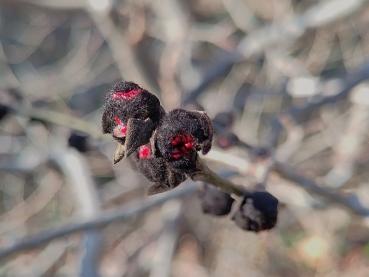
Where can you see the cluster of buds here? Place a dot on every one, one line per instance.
(257, 212)
(163, 145)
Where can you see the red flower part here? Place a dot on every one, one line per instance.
(118, 121)
(126, 95)
(144, 152)
(182, 146)
(120, 130)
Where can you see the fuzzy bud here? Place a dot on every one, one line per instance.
(258, 212)
(79, 141)
(156, 170)
(4, 111)
(131, 114)
(215, 202)
(180, 135)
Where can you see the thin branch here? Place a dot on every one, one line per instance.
(205, 174)
(257, 42)
(69, 121)
(350, 203)
(82, 184)
(121, 50)
(163, 258)
(302, 113)
(125, 213)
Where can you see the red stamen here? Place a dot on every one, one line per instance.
(182, 146)
(126, 95)
(144, 152)
(123, 130)
(118, 121)
(189, 145)
(120, 130)
(176, 155)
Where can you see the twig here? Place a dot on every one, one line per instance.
(221, 67)
(37, 201)
(205, 174)
(352, 140)
(83, 186)
(121, 50)
(125, 213)
(255, 43)
(291, 174)
(72, 122)
(67, 4)
(323, 13)
(347, 202)
(166, 245)
(302, 113)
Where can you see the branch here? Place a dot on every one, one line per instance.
(321, 14)
(69, 121)
(125, 213)
(302, 113)
(83, 187)
(205, 174)
(258, 41)
(350, 203)
(285, 171)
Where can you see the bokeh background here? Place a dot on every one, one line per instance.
(256, 60)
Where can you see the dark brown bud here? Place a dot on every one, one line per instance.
(215, 202)
(258, 212)
(131, 114)
(180, 135)
(156, 170)
(79, 141)
(4, 111)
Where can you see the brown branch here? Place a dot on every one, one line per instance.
(205, 174)
(302, 113)
(350, 203)
(125, 213)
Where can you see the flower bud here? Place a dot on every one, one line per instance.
(131, 114)
(156, 170)
(79, 141)
(180, 135)
(258, 212)
(4, 111)
(215, 202)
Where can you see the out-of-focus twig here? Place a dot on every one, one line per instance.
(352, 140)
(124, 213)
(350, 203)
(47, 190)
(299, 114)
(166, 245)
(258, 41)
(67, 4)
(72, 122)
(289, 173)
(323, 13)
(122, 51)
(75, 168)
